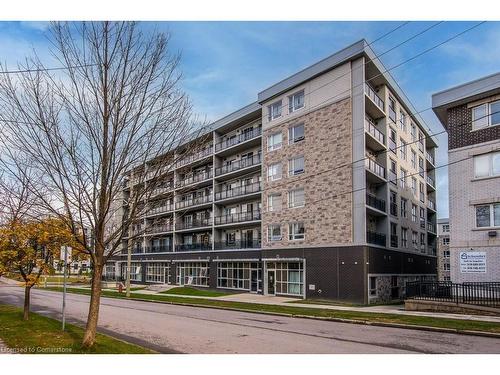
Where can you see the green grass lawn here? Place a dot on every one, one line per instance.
(314, 301)
(187, 291)
(458, 324)
(44, 335)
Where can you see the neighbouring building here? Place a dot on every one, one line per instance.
(443, 249)
(471, 115)
(322, 188)
(78, 263)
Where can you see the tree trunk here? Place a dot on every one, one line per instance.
(27, 291)
(95, 300)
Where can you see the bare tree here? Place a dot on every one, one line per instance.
(111, 118)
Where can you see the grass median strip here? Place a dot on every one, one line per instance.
(43, 335)
(186, 291)
(457, 324)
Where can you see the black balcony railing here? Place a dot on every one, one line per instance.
(239, 164)
(193, 246)
(194, 156)
(195, 223)
(375, 238)
(431, 227)
(394, 240)
(238, 191)
(375, 167)
(159, 209)
(194, 178)
(158, 249)
(193, 201)
(477, 293)
(159, 229)
(243, 137)
(238, 217)
(373, 201)
(239, 244)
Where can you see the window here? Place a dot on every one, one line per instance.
(414, 239)
(402, 121)
(393, 171)
(414, 213)
(373, 286)
(422, 242)
(446, 253)
(447, 278)
(487, 165)
(446, 228)
(422, 192)
(274, 172)
(413, 132)
(296, 134)
(480, 117)
(274, 232)
(274, 110)
(402, 149)
(404, 237)
(236, 275)
(488, 215)
(495, 113)
(296, 198)
(421, 141)
(393, 204)
(289, 277)
(155, 272)
(446, 266)
(404, 205)
(296, 231)
(274, 141)
(414, 186)
(414, 159)
(274, 202)
(193, 273)
(402, 180)
(392, 140)
(296, 166)
(392, 109)
(296, 101)
(446, 241)
(394, 235)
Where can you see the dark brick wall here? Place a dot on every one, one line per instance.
(396, 262)
(460, 126)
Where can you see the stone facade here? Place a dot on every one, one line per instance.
(327, 213)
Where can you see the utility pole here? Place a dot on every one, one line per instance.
(64, 287)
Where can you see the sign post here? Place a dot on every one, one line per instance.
(64, 287)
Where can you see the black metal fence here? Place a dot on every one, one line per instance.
(484, 294)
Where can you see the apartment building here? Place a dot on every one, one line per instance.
(443, 250)
(471, 115)
(322, 188)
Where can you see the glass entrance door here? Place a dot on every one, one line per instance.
(271, 282)
(254, 281)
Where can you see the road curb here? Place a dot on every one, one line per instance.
(340, 320)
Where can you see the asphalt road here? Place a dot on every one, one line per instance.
(179, 329)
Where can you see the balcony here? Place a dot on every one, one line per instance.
(374, 202)
(239, 244)
(394, 240)
(162, 189)
(431, 205)
(431, 227)
(239, 217)
(193, 247)
(158, 249)
(239, 191)
(430, 183)
(374, 105)
(193, 224)
(191, 158)
(375, 238)
(196, 178)
(422, 223)
(205, 199)
(159, 210)
(376, 139)
(376, 169)
(430, 158)
(157, 229)
(243, 137)
(238, 165)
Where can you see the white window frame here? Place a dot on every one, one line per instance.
(291, 134)
(294, 231)
(292, 171)
(274, 172)
(272, 200)
(270, 236)
(272, 146)
(486, 158)
(291, 101)
(291, 198)
(491, 207)
(483, 120)
(279, 110)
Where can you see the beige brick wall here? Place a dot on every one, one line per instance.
(327, 144)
